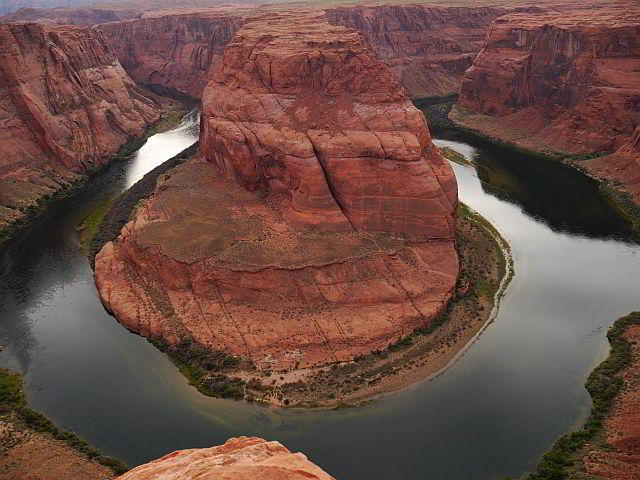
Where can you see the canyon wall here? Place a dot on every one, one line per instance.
(317, 223)
(558, 81)
(66, 105)
(427, 48)
(242, 458)
(173, 50)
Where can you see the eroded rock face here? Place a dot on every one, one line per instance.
(317, 223)
(242, 458)
(66, 105)
(427, 48)
(173, 50)
(567, 81)
(622, 166)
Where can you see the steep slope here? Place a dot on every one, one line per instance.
(427, 48)
(66, 105)
(558, 81)
(174, 50)
(317, 224)
(242, 458)
(622, 167)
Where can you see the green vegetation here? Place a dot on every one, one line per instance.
(454, 156)
(207, 369)
(13, 407)
(168, 120)
(89, 226)
(603, 385)
(122, 207)
(470, 281)
(626, 207)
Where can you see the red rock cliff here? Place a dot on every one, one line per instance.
(173, 50)
(427, 48)
(317, 224)
(66, 105)
(566, 81)
(242, 458)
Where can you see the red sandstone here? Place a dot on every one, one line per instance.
(318, 224)
(567, 81)
(66, 105)
(242, 458)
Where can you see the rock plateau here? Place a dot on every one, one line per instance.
(66, 105)
(317, 223)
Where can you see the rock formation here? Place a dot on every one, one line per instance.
(559, 81)
(173, 50)
(66, 105)
(316, 225)
(242, 458)
(427, 48)
(622, 167)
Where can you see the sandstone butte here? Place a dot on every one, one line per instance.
(427, 48)
(66, 105)
(242, 458)
(317, 223)
(562, 82)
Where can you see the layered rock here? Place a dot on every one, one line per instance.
(317, 224)
(242, 458)
(622, 167)
(66, 105)
(559, 81)
(427, 48)
(173, 50)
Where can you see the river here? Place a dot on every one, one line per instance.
(492, 414)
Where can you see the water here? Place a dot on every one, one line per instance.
(492, 414)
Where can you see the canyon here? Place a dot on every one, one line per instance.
(562, 83)
(66, 106)
(318, 224)
(324, 214)
(427, 48)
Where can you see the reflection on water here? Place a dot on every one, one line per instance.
(543, 188)
(159, 148)
(491, 415)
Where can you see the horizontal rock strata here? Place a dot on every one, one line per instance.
(66, 105)
(564, 81)
(317, 224)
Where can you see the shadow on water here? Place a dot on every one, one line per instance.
(546, 189)
(490, 416)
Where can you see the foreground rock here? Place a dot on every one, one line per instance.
(242, 458)
(558, 81)
(66, 106)
(318, 223)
